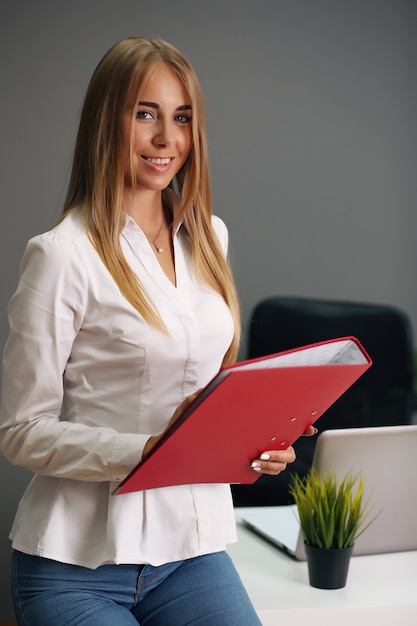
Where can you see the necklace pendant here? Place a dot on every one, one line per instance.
(158, 247)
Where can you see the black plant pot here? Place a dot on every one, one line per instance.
(328, 569)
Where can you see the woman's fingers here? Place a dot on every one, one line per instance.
(311, 430)
(273, 461)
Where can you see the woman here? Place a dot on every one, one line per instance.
(123, 311)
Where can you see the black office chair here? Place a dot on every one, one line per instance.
(383, 396)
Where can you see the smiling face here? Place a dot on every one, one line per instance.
(161, 137)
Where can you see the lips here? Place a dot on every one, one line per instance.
(158, 160)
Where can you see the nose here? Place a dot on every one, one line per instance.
(164, 135)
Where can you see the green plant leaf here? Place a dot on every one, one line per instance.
(332, 513)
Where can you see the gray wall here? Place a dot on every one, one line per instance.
(311, 114)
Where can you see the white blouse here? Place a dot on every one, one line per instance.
(86, 381)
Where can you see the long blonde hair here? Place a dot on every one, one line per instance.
(97, 177)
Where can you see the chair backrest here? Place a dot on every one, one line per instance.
(382, 397)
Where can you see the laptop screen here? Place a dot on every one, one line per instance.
(387, 458)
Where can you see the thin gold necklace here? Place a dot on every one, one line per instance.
(154, 242)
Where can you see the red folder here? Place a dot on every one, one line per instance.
(249, 407)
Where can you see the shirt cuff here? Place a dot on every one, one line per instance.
(126, 454)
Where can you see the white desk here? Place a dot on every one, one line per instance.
(380, 589)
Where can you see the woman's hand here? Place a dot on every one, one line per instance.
(274, 462)
(152, 441)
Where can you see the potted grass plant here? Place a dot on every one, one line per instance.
(333, 514)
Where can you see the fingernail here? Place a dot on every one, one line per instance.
(256, 465)
(265, 456)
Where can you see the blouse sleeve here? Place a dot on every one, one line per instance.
(45, 315)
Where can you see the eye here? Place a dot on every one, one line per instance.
(182, 118)
(143, 115)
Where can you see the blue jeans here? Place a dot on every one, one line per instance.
(205, 590)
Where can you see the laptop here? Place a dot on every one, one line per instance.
(387, 457)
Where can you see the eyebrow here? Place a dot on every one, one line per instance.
(155, 105)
